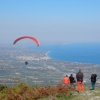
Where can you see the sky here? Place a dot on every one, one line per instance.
(50, 21)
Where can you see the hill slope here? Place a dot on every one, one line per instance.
(23, 91)
(74, 95)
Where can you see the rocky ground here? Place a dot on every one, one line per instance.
(87, 95)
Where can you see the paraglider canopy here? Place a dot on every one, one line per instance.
(29, 37)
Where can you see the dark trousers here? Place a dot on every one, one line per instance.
(93, 85)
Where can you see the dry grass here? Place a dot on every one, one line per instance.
(23, 91)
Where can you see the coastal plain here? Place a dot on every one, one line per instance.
(40, 70)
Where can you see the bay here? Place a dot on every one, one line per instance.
(77, 52)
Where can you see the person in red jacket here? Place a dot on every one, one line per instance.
(66, 81)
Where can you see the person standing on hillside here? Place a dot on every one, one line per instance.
(72, 80)
(80, 83)
(93, 80)
(66, 81)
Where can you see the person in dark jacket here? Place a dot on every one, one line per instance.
(72, 80)
(93, 80)
(80, 83)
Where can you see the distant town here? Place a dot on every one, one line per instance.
(40, 70)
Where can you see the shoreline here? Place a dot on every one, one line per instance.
(48, 57)
(69, 61)
(47, 54)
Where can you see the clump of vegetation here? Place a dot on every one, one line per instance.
(23, 91)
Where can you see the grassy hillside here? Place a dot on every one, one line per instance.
(87, 95)
(23, 91)
(74, 95)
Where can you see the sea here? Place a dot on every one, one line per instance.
(75, 52)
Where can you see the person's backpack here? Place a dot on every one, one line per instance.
(74, 81)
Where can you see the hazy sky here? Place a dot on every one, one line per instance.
(50, 21)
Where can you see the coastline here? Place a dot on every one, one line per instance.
(70, 61)
(47, 54)
(73, 53)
